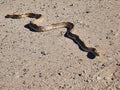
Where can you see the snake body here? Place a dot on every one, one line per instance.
(68, 25)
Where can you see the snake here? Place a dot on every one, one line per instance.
(33, 25)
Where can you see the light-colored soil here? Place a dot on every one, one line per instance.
(48, 60)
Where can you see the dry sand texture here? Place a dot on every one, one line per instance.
(48, 60)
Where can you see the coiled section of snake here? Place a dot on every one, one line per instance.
(68, 25)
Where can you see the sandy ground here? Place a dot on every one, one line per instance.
(48, 60)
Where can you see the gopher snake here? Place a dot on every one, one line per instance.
(68, 25)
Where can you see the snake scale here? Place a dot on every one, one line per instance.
(68, 25)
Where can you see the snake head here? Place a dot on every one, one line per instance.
(94, 51)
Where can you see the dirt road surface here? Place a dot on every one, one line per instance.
(49, 61)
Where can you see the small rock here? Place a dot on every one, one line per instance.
(43, 53)
(71, 4)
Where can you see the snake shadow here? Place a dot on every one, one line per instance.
(28, 27)
(89, 54)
